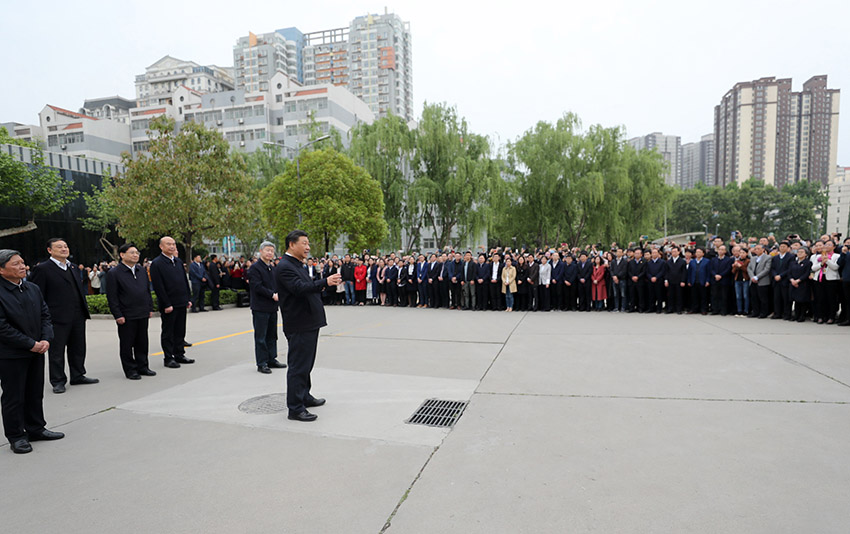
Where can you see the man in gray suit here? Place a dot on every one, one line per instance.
(759, 271)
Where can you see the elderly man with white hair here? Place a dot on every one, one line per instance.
(264, 304)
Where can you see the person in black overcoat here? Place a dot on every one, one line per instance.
(303, 314)
(25, 335)
(131, 305)
(65, 296)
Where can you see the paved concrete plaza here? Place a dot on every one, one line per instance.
(591, 422)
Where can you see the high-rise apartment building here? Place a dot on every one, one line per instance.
(372, 57)
(698, 162)
(839, 203)
(160, 80)
(765, 130)
(256, 58)
(670, 148)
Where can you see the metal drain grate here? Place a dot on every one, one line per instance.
(265, 404)
(437, 412)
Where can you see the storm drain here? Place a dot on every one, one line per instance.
(265, 404)
(437, 412)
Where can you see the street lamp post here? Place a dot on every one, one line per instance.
(298, 160)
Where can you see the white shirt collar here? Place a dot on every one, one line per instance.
(63, 266)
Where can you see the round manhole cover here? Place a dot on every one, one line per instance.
(265, 404)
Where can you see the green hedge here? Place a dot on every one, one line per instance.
(98, 304)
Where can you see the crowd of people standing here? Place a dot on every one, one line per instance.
(790, 279)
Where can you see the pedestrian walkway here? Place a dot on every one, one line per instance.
(576, 423)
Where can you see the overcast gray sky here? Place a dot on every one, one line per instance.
(646, 65)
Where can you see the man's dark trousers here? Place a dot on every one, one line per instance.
(173, 333)
(73, 336)
(133, 345)
(265, 337)
(198, 296)
(300, 359)
(22, 378)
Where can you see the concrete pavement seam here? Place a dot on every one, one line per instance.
(404, 497)
(784, 357)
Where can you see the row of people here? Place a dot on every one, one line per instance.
(787, 282)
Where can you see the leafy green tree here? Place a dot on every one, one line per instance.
(333, 198)
(800, 203)
(576, 187)
(35, 188)
(452, 172)
(385, 148)
(101, 215)
(189, 186)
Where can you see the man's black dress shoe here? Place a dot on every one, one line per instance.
(84, 380)
(21, 446)
(274, 364)
(134, 376)
(187, 344)
(217, 309)
(59, 388)
(304, 416)
(315, 402)
(46, 435)
(203, 310)
(147, 372)
(171, 364)
(264, 369)
(183, 359)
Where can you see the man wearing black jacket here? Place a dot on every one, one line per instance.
(779, 268)
(570, 282)
(585, 272)
(619, 276)
(347, 272)
(303, 316)
(264, 302)
(214, 270)
(637, 282)
(532, 278)
(172, 297)
(25, 335)
(495, 283)
(434, 270)
(675, 280)
(482, 272)
(63, 292)
(131, 305)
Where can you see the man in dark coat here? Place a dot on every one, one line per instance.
(303, 316)
(172, 297)
(131, 305)
(676, 276)
(214, 270)
(65, 296)
(25, 335)
(264, 303)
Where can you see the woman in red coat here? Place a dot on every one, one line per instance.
(599, 291)
(360, 282)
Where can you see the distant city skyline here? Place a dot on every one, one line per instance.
(504, 68)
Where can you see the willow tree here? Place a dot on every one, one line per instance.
(385, 148)
(331, 199)
(189, 186)
(452, 171)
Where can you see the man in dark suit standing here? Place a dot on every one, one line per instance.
(619, 276)
(675, 278)
(63, 292)
(779, 267)
(198, 275)
(467, 274)
(656, 269)
(557, 281)
(214, 271)
(495, 283)
(172, 297)
(636, 270)
(585, 271)
(433, 281)
(131, 305)
(264, 302)
(392, 283)
(483, 274)
(532, 278)
(570, 282)
(303, 316)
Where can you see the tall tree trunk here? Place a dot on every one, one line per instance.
(29, 227)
